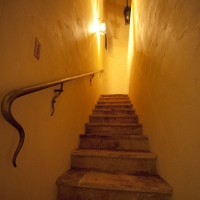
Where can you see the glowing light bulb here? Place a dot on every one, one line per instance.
(102, 28)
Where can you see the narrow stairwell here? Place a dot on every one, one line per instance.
(113, 161)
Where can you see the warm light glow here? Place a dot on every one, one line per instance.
(97, 27)
(133, 21)
(127, 17)
(102, 28)
(94, 28)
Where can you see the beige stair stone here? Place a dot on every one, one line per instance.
(94, 185)
(113, 99)
(115, 95)
(114, 142)
(113, 106)
(113, 119)
(113, 161)
(113, 128)
(118, 111)
(124, 102)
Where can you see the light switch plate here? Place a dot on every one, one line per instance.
(37, 49)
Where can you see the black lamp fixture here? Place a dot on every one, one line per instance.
(127, 13)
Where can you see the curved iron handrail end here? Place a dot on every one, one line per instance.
(6, 111)
(11, 96)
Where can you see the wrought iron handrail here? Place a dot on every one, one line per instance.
(11, 96)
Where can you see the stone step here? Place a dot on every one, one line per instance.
(114, 142)
(125, 102)
(115, 95)
(116, 99)
(94, 185)
(112, 128)
(113, 119)
(114, 106)
(118, 111)
(114, 161)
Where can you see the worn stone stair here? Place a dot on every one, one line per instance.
(113, 161)
(114, 142)
(113, 119)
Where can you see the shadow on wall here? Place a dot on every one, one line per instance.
(112, 10)
(115, 24)
(109, 40)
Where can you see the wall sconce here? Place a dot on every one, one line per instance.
(127, 13)
(102, 28)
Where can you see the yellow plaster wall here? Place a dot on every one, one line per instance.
(115, 57)
(67, 49)
(165, 87)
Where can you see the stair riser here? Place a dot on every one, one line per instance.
(94, 119)
(105, 99)
(89, 129)
(114, 164)
(113, 102)
(113, 106)
(113, 112)
(116, 144)
(83, 193)
(114, 96)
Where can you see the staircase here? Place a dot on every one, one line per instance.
(113, 161)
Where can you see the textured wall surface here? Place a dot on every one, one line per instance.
(165, 85)
(115, 57)
(67, 49)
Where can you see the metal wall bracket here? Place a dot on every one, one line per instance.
(91, 77)
(55, 97)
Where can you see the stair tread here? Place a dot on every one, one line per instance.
(115, 136)
(117, 109)
(114, 95)
(118, 105)
(114, 181)
(117, 99)
(115, 124)
(114, 101)
(100, 102)
(113, 111)
(110, 153)
(115, 116)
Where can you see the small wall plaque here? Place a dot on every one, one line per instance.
(37, 49)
